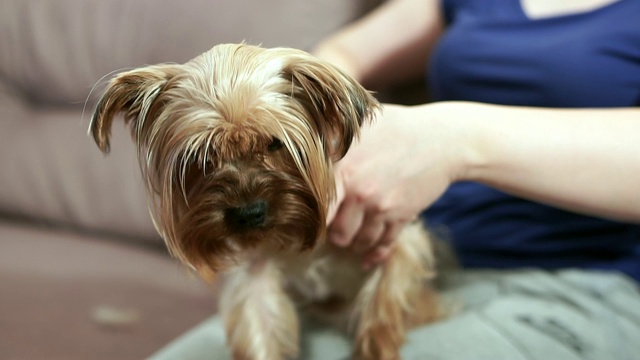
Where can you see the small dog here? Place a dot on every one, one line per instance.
(236, 147)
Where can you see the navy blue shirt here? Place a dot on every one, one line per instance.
(493, 53)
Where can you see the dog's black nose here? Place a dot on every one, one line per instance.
(247, 217)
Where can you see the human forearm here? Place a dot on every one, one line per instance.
(585, 160)
(389, 45)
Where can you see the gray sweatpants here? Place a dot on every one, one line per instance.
(502, 315)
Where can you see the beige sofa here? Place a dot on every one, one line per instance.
(83, 274)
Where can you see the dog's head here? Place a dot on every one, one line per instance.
(237, 147)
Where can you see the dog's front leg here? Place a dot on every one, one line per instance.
(260, 320)
(395, 296)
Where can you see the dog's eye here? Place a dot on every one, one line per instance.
(275, 145)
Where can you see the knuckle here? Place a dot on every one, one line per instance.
(371, 200)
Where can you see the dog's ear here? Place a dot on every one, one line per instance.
(338, 103)
(132, 93)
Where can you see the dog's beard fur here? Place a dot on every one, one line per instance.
(208, 134)
(237, 147)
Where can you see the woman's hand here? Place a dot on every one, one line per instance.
(403, 162)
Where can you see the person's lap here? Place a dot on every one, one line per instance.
(506, 315)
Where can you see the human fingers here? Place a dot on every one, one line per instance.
(383, 250)
(376, 256)
(369, 234)
(346, 223)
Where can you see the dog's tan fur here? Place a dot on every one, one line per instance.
(245, 135)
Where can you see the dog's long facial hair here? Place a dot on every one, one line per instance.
(237, 147)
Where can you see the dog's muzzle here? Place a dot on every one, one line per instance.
(247, 217)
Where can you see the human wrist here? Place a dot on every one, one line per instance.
(463, 136)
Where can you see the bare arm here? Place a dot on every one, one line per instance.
(585, 160)
(388, 46)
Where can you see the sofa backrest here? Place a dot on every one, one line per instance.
(53, 52)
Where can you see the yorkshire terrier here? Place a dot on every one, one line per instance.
(236, 147)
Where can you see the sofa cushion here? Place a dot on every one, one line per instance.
(51, 172)
(69, 296)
